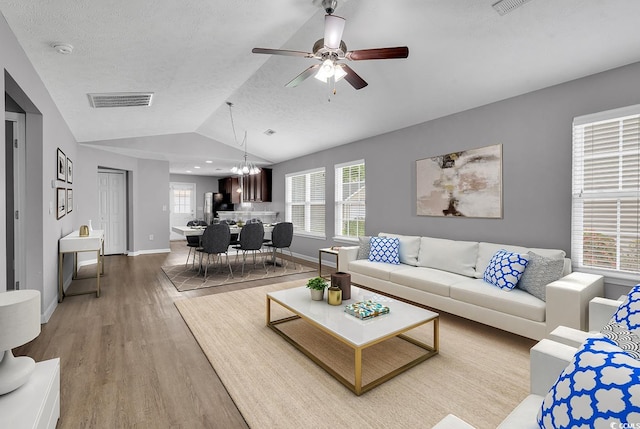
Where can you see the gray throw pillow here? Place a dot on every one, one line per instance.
(365, 247)
(539, 273)
(625, 339)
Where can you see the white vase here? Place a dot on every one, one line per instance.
(317, 295)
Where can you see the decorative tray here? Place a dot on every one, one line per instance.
(366, 309)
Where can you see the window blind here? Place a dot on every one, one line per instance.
(350, 199)
(305, 202)
(606, 193)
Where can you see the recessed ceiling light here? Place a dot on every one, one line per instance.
(209, 162)
(188, 171)
(196, 166)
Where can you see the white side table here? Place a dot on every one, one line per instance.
(327, 251)
(36, 404)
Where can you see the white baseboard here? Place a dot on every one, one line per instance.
(46, 315)
(148, 252)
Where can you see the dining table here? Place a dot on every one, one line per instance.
(234, 229)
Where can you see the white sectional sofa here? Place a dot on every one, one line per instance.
(447, 275)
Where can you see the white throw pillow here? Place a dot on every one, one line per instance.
(409, 247)
(448, 255)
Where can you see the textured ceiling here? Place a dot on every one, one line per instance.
(196, 54)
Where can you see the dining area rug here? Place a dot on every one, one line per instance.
(186, 278)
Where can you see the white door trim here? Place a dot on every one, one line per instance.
(19, 186)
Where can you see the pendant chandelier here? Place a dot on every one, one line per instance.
(244, 167)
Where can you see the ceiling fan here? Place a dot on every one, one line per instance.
(331, 49)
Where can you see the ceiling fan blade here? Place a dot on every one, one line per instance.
(352, 77)
(282, 52)
(333, 28)
(302, 76)
(378, 54)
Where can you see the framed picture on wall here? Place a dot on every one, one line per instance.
(69, 171)
(61, 165)
(69, 200)
(61, 202)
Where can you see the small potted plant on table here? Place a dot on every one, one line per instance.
(317, 285)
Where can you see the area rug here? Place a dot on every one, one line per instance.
(188, 278)
(480, 374)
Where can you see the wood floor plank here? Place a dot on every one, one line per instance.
(127, 358)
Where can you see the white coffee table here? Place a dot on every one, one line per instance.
(355, 333)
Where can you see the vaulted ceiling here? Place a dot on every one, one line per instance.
(195, 55)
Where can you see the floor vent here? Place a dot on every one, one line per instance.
(503, 7)
(120, 99)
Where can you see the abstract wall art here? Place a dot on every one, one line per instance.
(461, 184)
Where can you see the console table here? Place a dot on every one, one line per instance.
(73, 243)
(36, 404)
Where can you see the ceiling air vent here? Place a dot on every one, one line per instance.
(120, 99)
(503, 7)
(269, 132)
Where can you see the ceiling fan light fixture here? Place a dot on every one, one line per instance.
(333, 28)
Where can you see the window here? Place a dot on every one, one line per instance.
(182, 201)
(305, 202)
(350, 199)
(606, 193)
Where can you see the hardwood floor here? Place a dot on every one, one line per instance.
(127, 358)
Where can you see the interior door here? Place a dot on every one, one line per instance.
(182, 198)
(112, 211)
(15, 167)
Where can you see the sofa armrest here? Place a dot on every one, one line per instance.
(347, 254)
(568, 300)
(601, 310)
(547, 361)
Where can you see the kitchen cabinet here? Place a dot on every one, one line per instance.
(257, 187)
(229, 187)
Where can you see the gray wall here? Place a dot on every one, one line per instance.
(535, 131)
(46, 131)
(147, 197)
(203, 184)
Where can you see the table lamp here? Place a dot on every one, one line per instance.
(19, 324)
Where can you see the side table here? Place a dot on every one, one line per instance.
(328, 251)
(36, 404)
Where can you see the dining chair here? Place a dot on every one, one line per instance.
(193, 242)
(215, 241)
(251, 238)
(281, 238)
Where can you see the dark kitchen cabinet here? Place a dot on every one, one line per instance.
(257, 187)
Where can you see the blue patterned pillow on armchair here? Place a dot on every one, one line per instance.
(385, 250)
(599, 389)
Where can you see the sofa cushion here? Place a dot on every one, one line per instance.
(539, 273)
(365, 247)
(426, 279)
(409, 247)
(385, 250)
(505, 269)
(375, 269)
(487, 250)
(515, 302)
(599, 388)
(449, 255)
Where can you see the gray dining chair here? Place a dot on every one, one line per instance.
(251, 237)
(215, 241)
(281, 238)
(193, 242)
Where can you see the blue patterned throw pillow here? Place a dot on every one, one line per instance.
(628, 314)
(505, 269)
(385, 250)
(599, 389)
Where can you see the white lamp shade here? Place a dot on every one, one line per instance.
(333, 28)
(19, 318)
